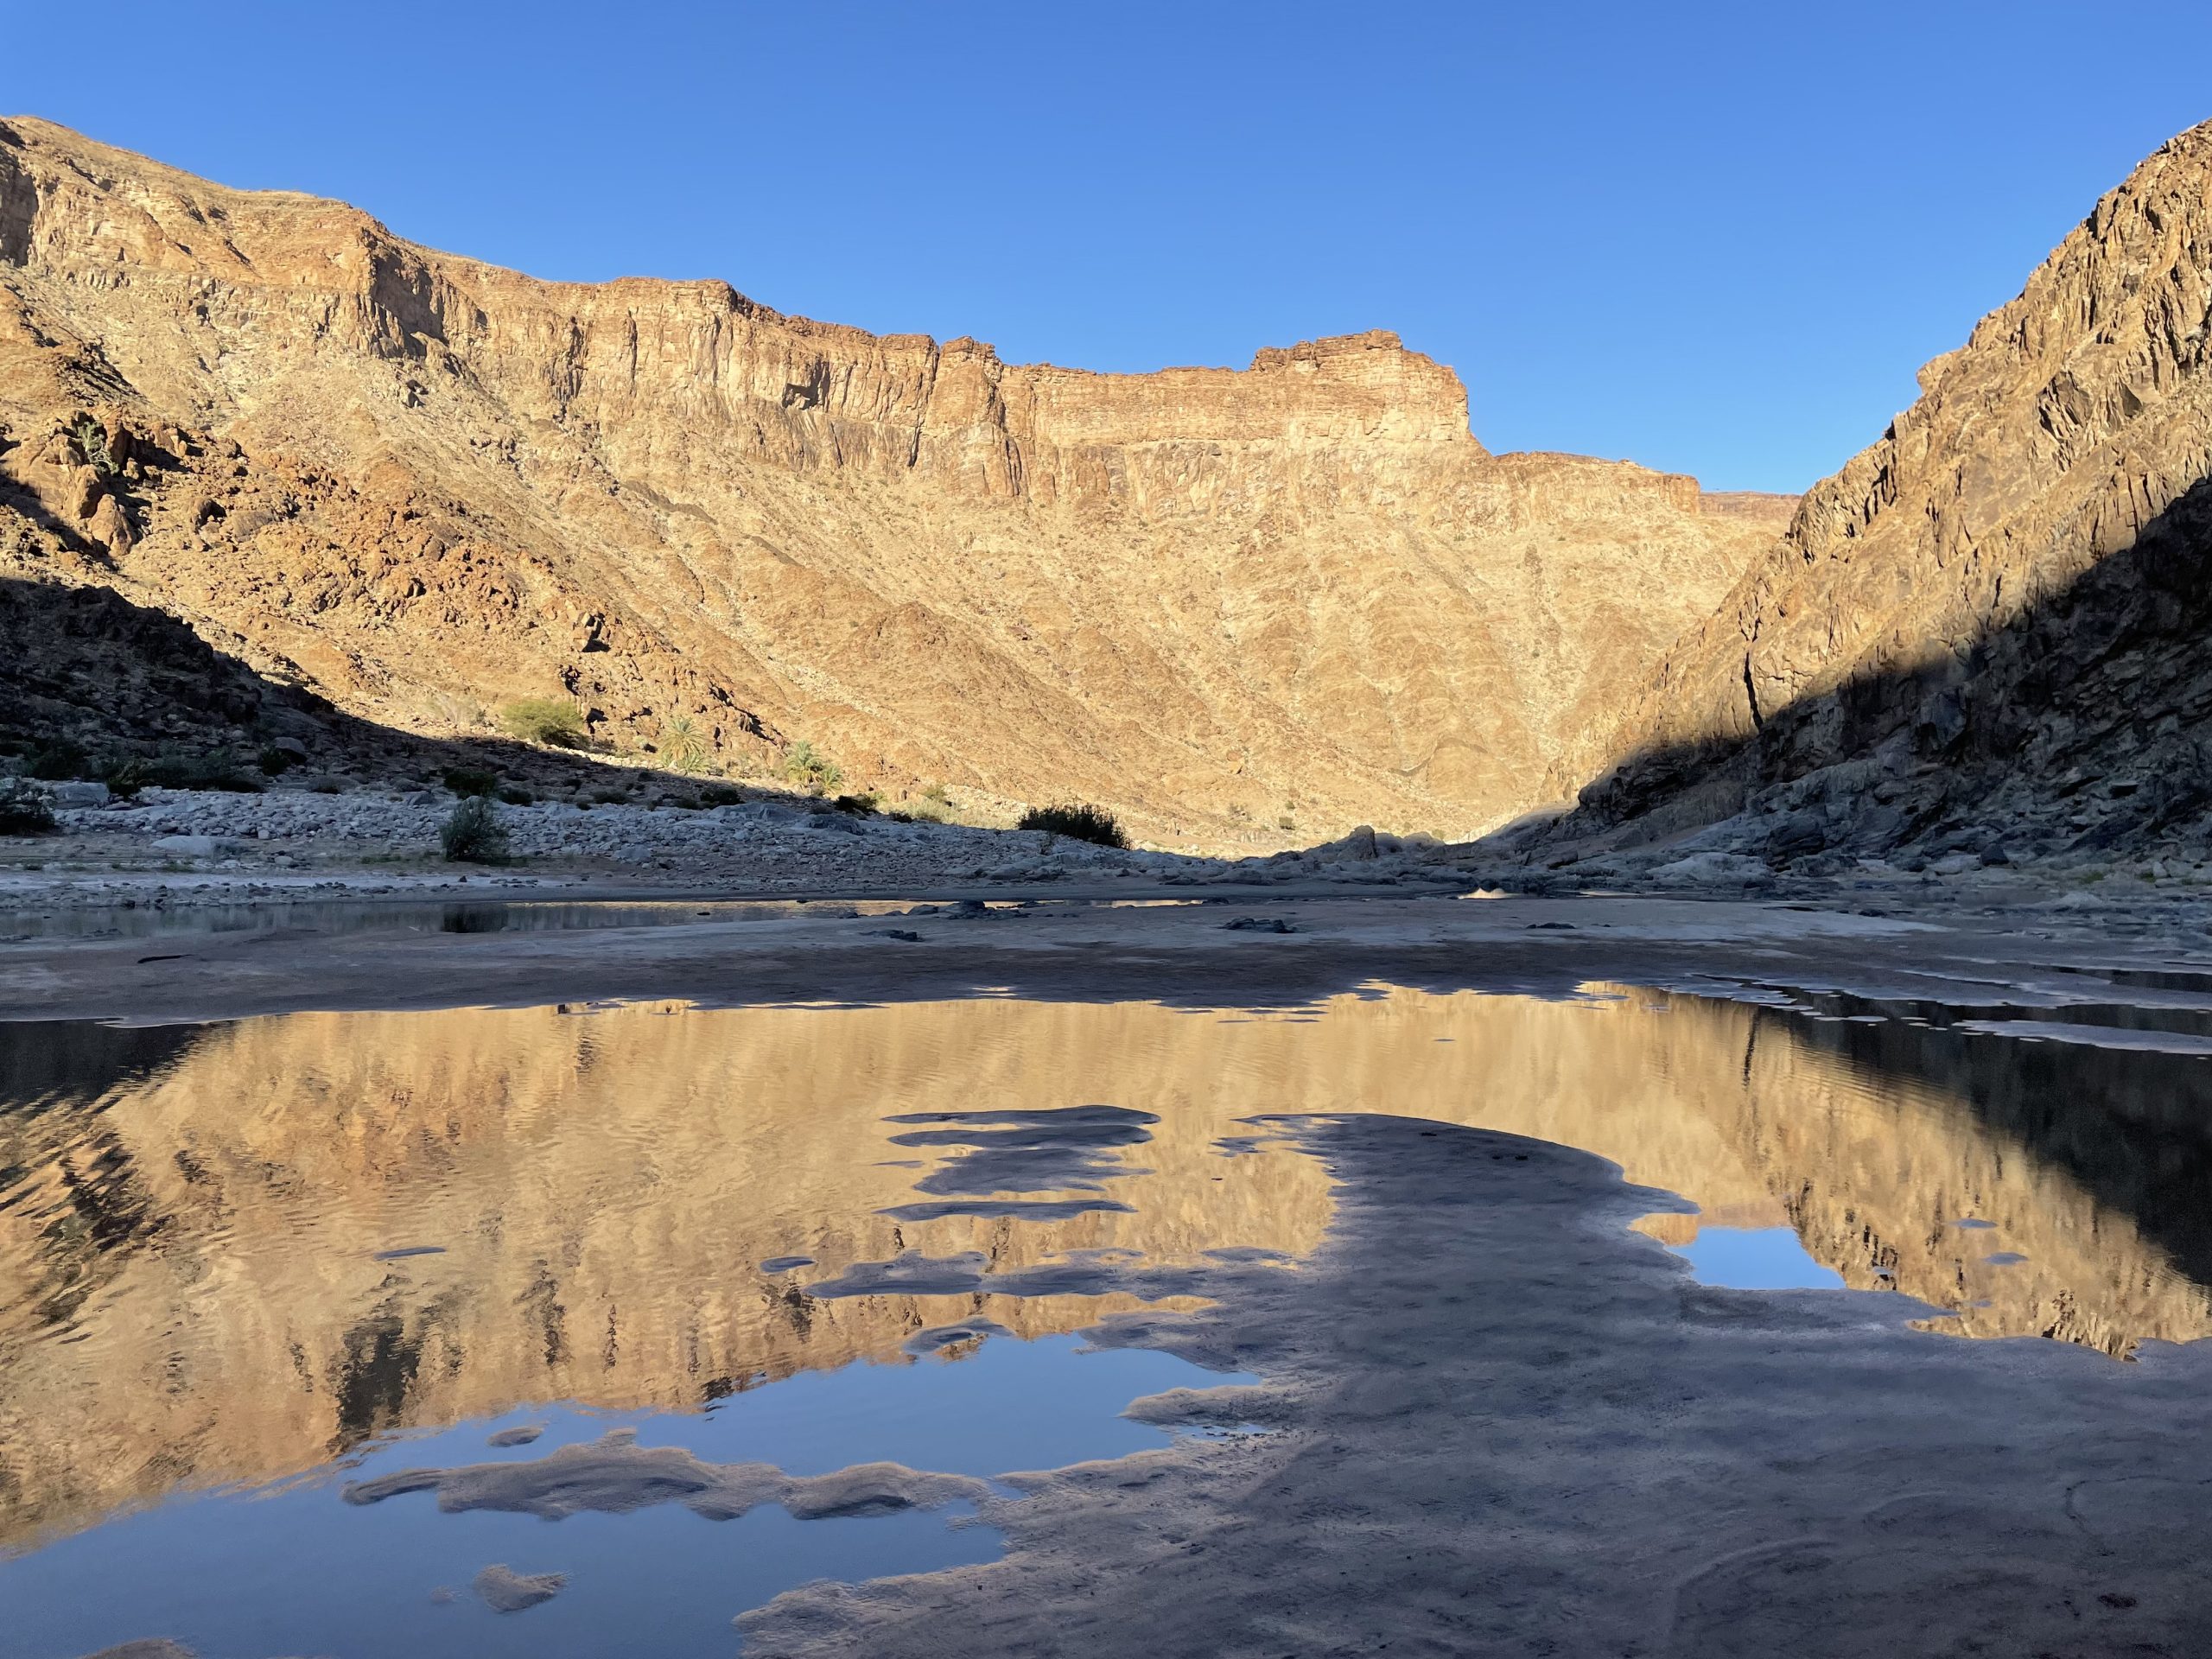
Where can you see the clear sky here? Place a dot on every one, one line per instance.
(1714, 238)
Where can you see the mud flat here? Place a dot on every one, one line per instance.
(1091, 942)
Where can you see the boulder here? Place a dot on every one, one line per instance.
(1360, 843)
(1802, 832)
(198, 845)
(1729, 868)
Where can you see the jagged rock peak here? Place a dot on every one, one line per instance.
(1956, 589)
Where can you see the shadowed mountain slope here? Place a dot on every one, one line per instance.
(425, 486)
(1991, 626)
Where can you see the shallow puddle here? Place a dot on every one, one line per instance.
(349, 916)
(246, 1268)
(294, 1568)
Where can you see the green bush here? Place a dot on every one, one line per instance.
(804, 764)
(472, 833)
(57, 759)
(720, 795)
(514, 796)
(681, 745)
(554, 722)
(1077, 822)
(274, 762)
(468, 781)
(22, 813)
(92, 443)
(218, 769)
(863, 805)
(611, 796)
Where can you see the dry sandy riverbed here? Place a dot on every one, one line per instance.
(1499, 1421)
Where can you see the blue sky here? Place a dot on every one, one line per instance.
(1713, 238)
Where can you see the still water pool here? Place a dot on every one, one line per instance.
(246, 1268)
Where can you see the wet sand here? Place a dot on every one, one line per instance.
(1502, 1423)
(1169, 948)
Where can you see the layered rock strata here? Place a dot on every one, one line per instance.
(1271, 602)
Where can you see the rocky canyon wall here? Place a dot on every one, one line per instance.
(1264, 603)
(1989, 625)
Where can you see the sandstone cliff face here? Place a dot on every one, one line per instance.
(1992, 620)
(424, 486)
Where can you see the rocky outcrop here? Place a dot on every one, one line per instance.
(1255, 604)
(1985, 636)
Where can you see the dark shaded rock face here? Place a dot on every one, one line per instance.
(1989, 625)
(84, 660)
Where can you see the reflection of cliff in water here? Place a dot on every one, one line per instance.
(191, 1288)
(1874, 1141)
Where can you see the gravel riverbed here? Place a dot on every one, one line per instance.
(176, 846)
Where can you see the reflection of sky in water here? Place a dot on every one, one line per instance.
(226, 1251)
(297, 1569)
(1756, 1258)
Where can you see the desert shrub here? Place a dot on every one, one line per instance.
(804, 764)
(56, 759)
(681, 745)
(720, 795)
(554, 722)
(863, 804)
(274, 762)
(466, 781)
(472, 834)
(1077, 821)
(23, 812)
(92, 443)
(932, 806)
(217, 769)
(124, 778)
(611, 796)
(515, 797)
